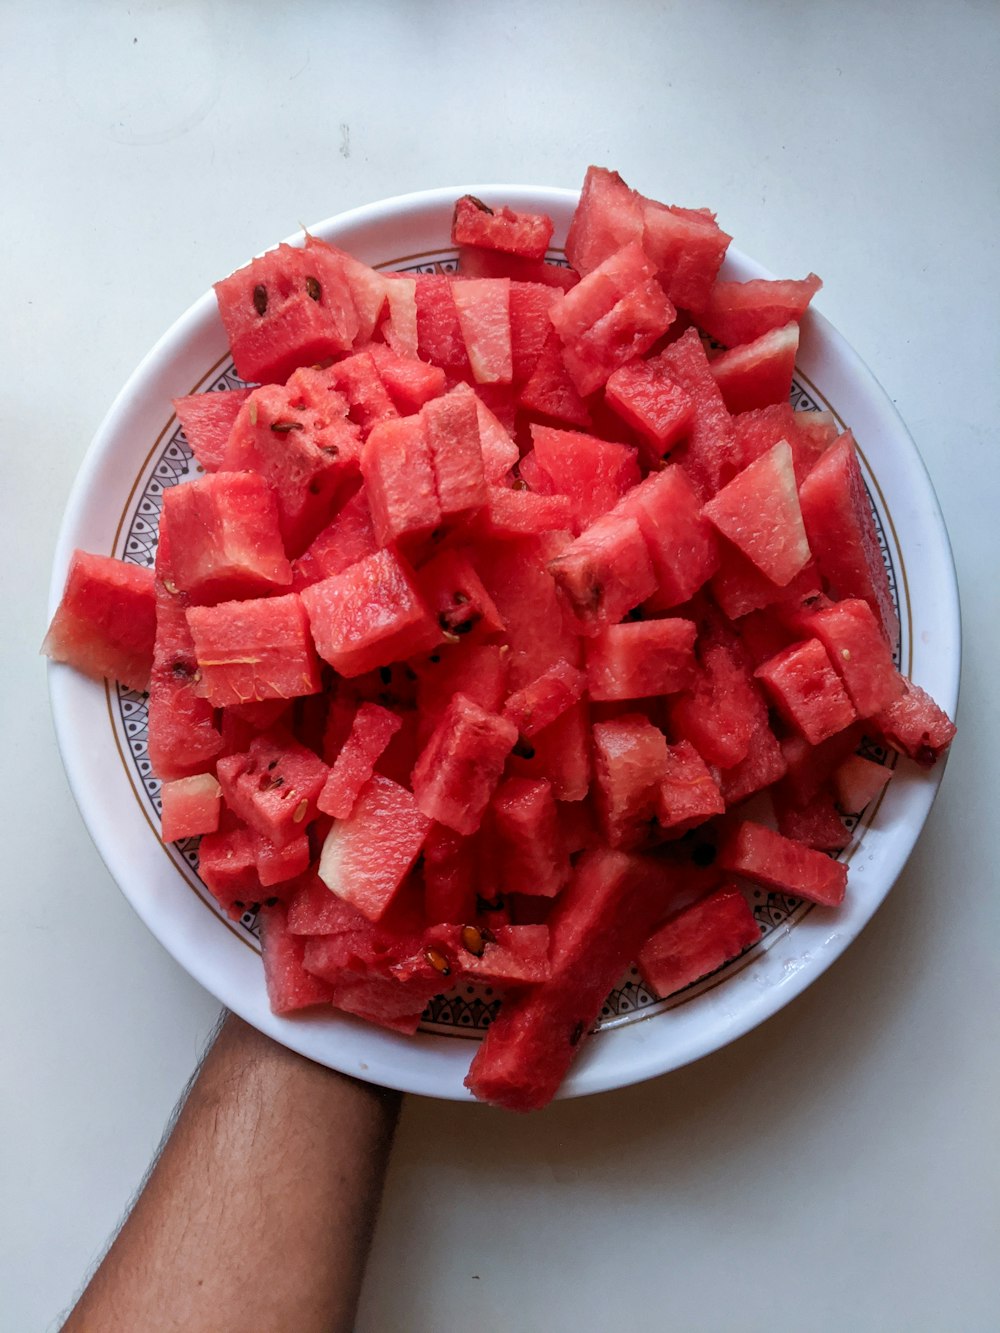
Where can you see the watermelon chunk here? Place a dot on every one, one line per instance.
(455, 594)
(759, 854)
(688, 793)
(400, 325)
(659, 410)
(207, 419)
(483, 306)
(538, 704)
(461, 764)
(698, 941)
(596, 928)
(369, 616)
(525, 234)
(255, 649)
(681, 544)
(347, 539)
(758, 373)
(372, 730)
(853, 638)
(838, 520)
(594, 473)
(807, 691)
(550, 392)
(357, 378)
(274, 786)
(516, 512)
(225, 543)
(914, 725)
(367, 856)
(709, 455)
(227, 865)
(502, 956)
(605, 573)
(189, 807)
(278, 865)
(630, 763)
(533, 859)
(857, 781)
(641, 659)
(288, 308)
(105, 623)
(816, 824)
(289, 986)
(410, 382)
(451, 430)
(183, 738)
(439, 333)
(477, 670)
(739, 312)
(399, 480)
(718, 714)
(449, 876)
(759, 512)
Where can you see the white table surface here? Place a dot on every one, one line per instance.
(839, 1167)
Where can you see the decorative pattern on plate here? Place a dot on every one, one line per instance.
(466, 1010)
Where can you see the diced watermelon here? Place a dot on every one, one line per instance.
(608, 216)
(709, 456)
(503, 957)
(369, 616)
(809, 767)
(597, 926)
(559, 754)
(739, 312)
(688, 793)
(227, 865)
(367, 288)
(461, 764)
(530, 325)
(718, 714)
(357, 378)
(189, 807)
(225, 539)
(594, 473)
(278, 865)
(758, 373)
(474, 261)
(451, 431)
(207, 419)
(500, 452)
(183, 738)
(289, 986)
(807, 691)
(641, 658)
(645, 397)
(449, 876)
(857, 781)
(525, 234)
(455, 594)
(697, 941)
(439, 334)
(759, 854)
(682, 545)
(533, 859)
(853, 638)
(838, 520)
(373, 729)
(739, 587)
(515, 512)
(346, 540)
(630, 763)
(687, 246)
(410, 382)
(288, 308)
(550, 392)
(477, 670)
(399, 479)
(255, 649)
(605, 573)
(400, 327)
(274, 787)
(483, 306)
(816, 824)
(538, 704)
(105, 623)
(759, 512)
(914, 725)
(763, 764)
(367, 856)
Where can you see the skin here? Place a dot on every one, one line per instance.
(259, 1212)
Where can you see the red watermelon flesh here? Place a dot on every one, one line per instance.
(718, 714)
(809, 434)
(853, 638)
(500, 452)
(630, 763)
(399, 328)
(274, 786)
(914, 725)
(525, 234)
(483, 306)
(476, 262)
(439, 333)
(759, 512)
(739, 587)
(451, 431)
(816, 824)
(533, 859)
(559, 753)
(504, 957)
(758, 373)
(276, 866)
(455, 594)
(207, 419)
(367, 288)
(478, 670)
(698, 941)
(809, 767)
(687, 247)
(367, 856)
(372, 730)
(594, 473)
(709, 455)
(838, 520)
(536, 705)
(659, 410)
(759, 854)
(608, 216)
(183, 738)
(629, 329)
(225, 539)
(449, 876)
(288, 308)
(681, 544)
(605, 573)
(255, 649)
(345, 541)
(549, 391)
(763, 764)
(516, 512)
(739, 312)
(641, 659)
(461, 764)
(357, 378)
(399, 479)
(289, 986)
(857, 781)
(410, 382)
(227, 864)
(530, 325)
(314, 910)
(189, 807)
(688, 793)
(105, 624)
(807, 690)
(596, 928)
(369, 616)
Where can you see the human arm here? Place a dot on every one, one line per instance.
(259, 1212)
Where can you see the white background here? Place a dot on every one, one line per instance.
(837, 1169)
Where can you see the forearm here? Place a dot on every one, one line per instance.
(259, 1213)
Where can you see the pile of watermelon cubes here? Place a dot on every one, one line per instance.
(496, 603)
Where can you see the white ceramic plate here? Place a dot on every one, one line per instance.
(114, 509)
